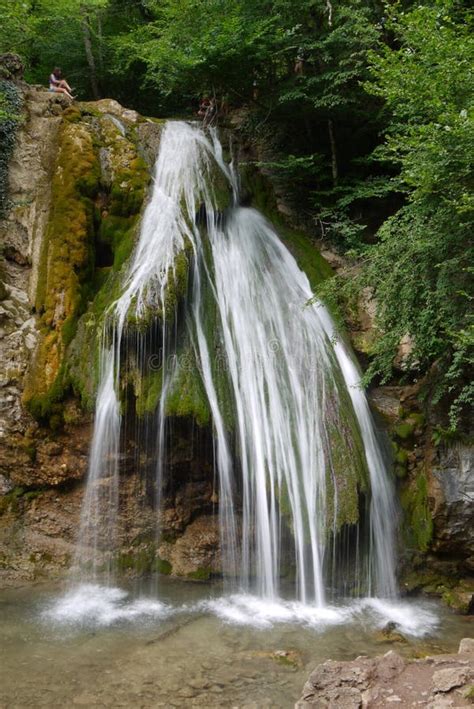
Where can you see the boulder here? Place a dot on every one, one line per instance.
(434, 682)
(11, 67)
(453, 488)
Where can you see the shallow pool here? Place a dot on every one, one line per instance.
(95, 646)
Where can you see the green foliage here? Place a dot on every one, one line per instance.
(15, 32)
(421, 267)
(10, 106)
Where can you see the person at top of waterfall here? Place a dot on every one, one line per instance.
(207, 110)
(58, 84)
(203, 106)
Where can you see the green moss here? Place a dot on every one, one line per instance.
(32, 495)
(119, 233)
(202, 574)
(418, 527)
(427, 580)
(221, 189)
(460, 597)
(129, 188)
(66, 263)
(149, 392)
(28, 445)
(404, 430)
(177, 284)
(469, 692)
(416, 419)
(186, 396)
(47, 406)
(401, 456)
(140, 561)
(11, 501)
(400, 459)
(161, 566)
(347, 475)
(72, 114)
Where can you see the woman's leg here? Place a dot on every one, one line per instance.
(60, 90)
(64, 85)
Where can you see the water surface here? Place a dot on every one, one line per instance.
(115, 647)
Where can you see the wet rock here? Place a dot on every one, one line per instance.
(195, 554)
(390, 634)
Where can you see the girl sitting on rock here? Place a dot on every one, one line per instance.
(58, 84)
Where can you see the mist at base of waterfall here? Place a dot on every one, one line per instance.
(94, 605)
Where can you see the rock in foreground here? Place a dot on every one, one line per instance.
(434, 682)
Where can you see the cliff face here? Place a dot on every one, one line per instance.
(78, 180)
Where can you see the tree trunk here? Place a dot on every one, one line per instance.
(332, 142)
(101, 44)
(329, 9)
(86, 33)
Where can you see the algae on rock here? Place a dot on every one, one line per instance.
(97, 195)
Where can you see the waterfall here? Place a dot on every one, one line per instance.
(298, 460)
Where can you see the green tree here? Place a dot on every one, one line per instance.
(421, 268)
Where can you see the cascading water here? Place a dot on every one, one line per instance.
(298, 453)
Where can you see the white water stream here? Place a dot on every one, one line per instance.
(299, 409)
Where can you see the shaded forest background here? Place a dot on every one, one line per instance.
(367, 110)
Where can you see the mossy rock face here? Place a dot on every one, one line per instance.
(66, 264)
(404, 430)
(400, 459)
(202, 574)
(148, 392)
(161, 566)
(126, 176)
(186, 395)
(459, 599)
(98, 191)
(418, 526)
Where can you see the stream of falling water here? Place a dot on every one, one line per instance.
(298, 406)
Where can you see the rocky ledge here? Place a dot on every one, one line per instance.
(389, 680)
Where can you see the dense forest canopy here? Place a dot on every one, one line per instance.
(366, 108)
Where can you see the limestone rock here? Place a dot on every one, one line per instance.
(195, 554)
(466, 646)
(11, 67)
(445, 680)
(453, 487)
(435, 682)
